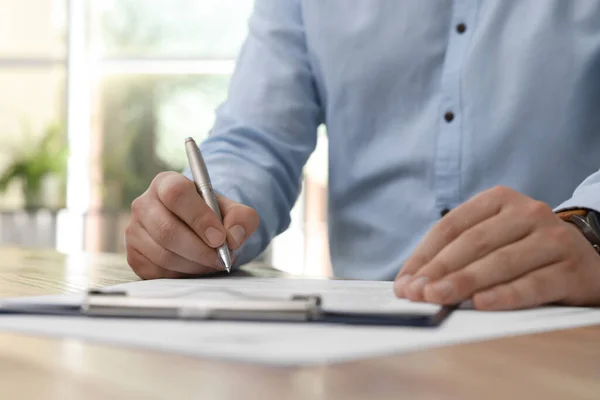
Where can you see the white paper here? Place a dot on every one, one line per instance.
(290, 344)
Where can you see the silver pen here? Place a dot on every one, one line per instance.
(205, 189)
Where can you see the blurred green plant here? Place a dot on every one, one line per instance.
(37, 159)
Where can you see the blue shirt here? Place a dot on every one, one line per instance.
(426, 104)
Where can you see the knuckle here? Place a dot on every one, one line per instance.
(253, 218)
(448, 229)
(162, 176)
(137, 206)
(502, 192)
(171, 193)
(465, 283)
(172, 190)
(439, 267)
(413, 263)
(129, 231)
(165, 232)
(538, 209)
(478, 241)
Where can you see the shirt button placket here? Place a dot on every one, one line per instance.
(448, 153)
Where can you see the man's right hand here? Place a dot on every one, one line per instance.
(173, 233)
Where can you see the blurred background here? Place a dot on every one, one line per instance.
(96, 97)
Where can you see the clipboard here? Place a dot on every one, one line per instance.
(297, 309)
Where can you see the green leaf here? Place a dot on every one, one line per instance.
(48, 155)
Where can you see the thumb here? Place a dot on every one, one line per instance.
(239, 220)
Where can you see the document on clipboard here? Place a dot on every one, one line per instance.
(291, 342)
(245, 303)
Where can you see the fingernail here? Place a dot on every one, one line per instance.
(400, 285)
(487, 299)
(214, 237)
(238, 233)
(442, 289)
(416, 287)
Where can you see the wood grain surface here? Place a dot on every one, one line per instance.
(562, 364)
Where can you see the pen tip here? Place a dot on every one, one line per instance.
(225, 258)
(189, 139)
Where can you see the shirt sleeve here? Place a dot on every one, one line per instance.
(586, 195)
(267, 128)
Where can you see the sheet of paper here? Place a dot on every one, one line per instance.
(291, 344)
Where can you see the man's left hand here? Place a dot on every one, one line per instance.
(503, 250)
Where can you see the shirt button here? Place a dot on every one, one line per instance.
(444, 212)
(449, 116)
(461, 28)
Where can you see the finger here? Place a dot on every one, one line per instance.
(170, 233)
(501, 266)
(179, 195)
(145, 269)
(141, 240)
(239, 220)
(542, 286)
(482, 239)
(480, 208)
(509, 226)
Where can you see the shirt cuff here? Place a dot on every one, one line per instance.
(583, 198)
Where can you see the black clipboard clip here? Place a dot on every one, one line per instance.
(298, 308)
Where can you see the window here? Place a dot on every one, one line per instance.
(175, 29)
(32, 83)
(127, 81)
(33, 30)
(151, 73)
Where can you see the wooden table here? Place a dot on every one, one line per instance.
(556, 365)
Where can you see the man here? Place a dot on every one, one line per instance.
(489, 109)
